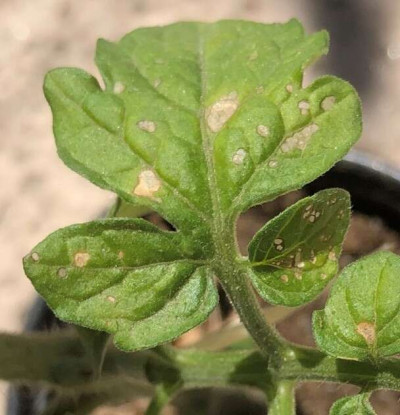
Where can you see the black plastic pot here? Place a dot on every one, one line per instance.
(374, 189)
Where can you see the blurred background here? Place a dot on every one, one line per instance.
(38, 194)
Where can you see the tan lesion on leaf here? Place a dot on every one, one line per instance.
(332, 256)
(328, 103)
(304, 107)
(147, 125)
(62, 273)
(239, 156)
(300, 139)
(118, 88)
(284, 278)
(81, 259)
(289, 88)
(35, 256)
(367, 330)
(148, 184)
(220, 112)
(262, 130)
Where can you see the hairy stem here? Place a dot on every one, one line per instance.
(162, 396)
(283, 402)
(238, 287)
(58, 361)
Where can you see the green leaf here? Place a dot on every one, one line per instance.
(196, 122)
(125, 277)
(353, 405)
(199, 121)
(361, 319)
(296, 254)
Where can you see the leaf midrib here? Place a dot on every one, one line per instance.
(198, 262)
(218, 227)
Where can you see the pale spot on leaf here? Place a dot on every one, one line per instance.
(263, 130)
(148, 184)
(332, 256)
(146, 125)
(35, 256)
(119, 87)
(328, 103)
(111, 299)
(220, 112)
(62, 272)
(332, 201)
(298, 276)
(157, 83)
(341, 214)
(284, 278)
(300, 139)
(273, 164)
(367, 330)
(289, 88)
(304, 107)
(120, 254)
(278, 242)
(81, 259)
(239, 156)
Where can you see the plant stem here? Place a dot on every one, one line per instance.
(58, 360)
(283, 402)
(237, 285)
(248, 367)
(162, 396)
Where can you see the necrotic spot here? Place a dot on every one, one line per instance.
(220, 112)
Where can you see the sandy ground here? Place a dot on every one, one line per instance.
(38, 194)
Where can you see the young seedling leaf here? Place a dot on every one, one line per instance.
(296, 254)
(361, 319)
(196, 122)
(353, 405)
(201, 121)
(125, 277)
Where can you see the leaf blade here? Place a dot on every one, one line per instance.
(295, 255)
(361, 319)
(186, 126)
(125, 277)
(353, 405)
(237, 84)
